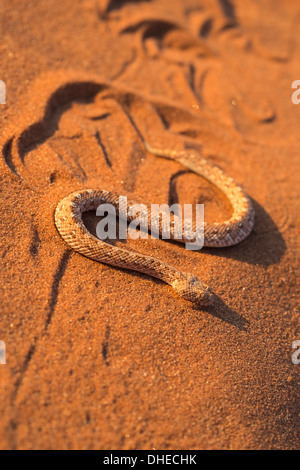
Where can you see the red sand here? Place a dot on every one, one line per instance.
(100, 358)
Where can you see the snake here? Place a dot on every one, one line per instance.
(70, 225)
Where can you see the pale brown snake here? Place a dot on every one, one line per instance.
(68, 219)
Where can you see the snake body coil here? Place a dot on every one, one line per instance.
(68, 220)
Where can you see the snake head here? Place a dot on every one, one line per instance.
(191, 288)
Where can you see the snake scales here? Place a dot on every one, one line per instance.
(68, 220)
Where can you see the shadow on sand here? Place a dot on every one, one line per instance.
(265, 246)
